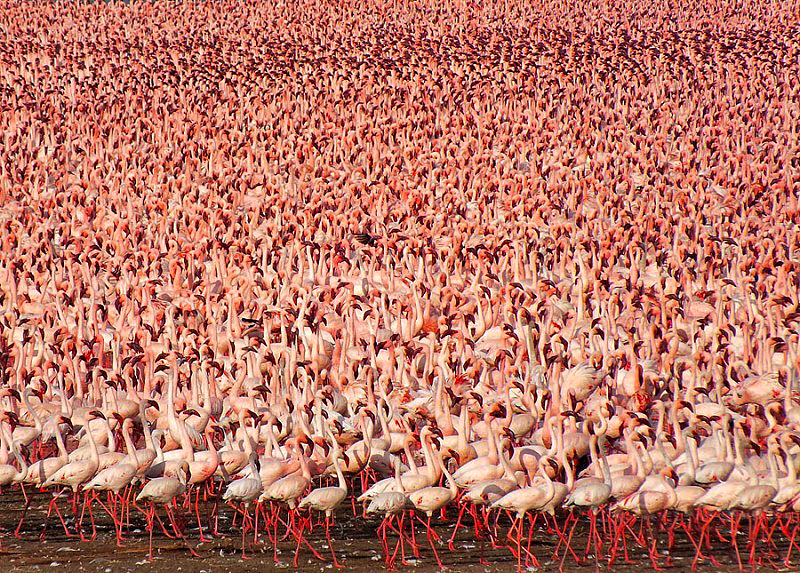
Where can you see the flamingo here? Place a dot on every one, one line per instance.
(523, 500)
(592, 495)
(288, 490)
(113, 479)
(390, 504)
(164, 490)
(74, 474)
(327, 499)
(430, 499)
(245, 490)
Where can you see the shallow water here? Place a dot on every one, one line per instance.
(355, 541)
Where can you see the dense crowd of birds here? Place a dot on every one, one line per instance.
(524, 259)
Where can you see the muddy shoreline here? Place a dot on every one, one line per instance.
(355, 541)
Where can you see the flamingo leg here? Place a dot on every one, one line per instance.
(163, 526)
(787, 561)
(431, 536)
(203, 538)
(87, 502)
(330, 543)
(671, 532)
(594, 535)
(298, 532)
(350, 485)
(110, 507)
(22, 519)
(561, 537)
(753, 538)
(244, 533)
(532, 519)
(564, 540)
(391, 561)
(516, 523)
(384, 543)
(686, 529)
(569, 545)
(255, 524)
(625, 543)
(54, 506)
(179, 530)
(414, 545)
(119, 515)
(529, 557)
(215, 516)
(150, 519)
(756, 527)
(276, 518)
(402, 537)
(734, 529)
(127, 502)
(618, 532)
(699, 552)
(652, 549)
(455, 529)
(590, 538)
(400, 530)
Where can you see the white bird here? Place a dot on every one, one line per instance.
(245, 490)
(76, 473)
(327, 499)
(431, 499)
(8, 473)
(162, 491)
(390, 503)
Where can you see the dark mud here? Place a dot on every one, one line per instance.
(355, 540)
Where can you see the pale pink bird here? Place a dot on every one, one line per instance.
(328, 499)
(430, 499)
(162, 491)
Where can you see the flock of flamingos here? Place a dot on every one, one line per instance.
(525, 267)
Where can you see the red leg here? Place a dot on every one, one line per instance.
(150, 519)
(431, 536)
(203, 538)
(22, 519)
(455, 529)
(87, 501)
(179, 530)
(569, 545)
(330, 543)
(244, 532)
(298, 532)
(54, 505)
(652, 550)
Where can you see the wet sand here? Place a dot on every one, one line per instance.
(355, 541)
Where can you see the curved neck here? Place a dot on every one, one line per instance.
(26, 398)
(92, 445)
(155, 440)
(62, 449)
(450, 482)
(412, 463)
(339, 474)
(126, 435)
(773, 468)
(599, 456)
(430, 459)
